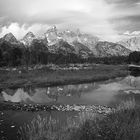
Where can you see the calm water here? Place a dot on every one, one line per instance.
(108, 93)
(103, 93)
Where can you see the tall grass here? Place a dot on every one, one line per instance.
(121, 124)
(47, 128)
(126, 105)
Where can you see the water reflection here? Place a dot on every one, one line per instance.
(46, 95)
(135, 73)
(28, 96)
(104, 93)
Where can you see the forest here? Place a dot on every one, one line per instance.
(38, 53)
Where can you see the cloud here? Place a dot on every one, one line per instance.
(126, 23)
(45, 10)
(125, 3)
(134, 33)
(105, 18)
(128, 34)
(19, 31)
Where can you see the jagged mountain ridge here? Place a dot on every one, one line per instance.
(53, 35)
(10, 38)
(132, 44)
(90, 43)
(61, 47)
(85, 39)
(28, 38)
(107, 49)
(82, 50)
(65, 48)
(67, 42)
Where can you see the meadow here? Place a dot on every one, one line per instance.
(46, 76)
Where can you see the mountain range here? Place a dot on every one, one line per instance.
(73, 42)
(132, 43)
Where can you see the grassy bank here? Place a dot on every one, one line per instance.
(53, 77)
(122, 124)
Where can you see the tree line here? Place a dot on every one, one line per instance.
(134, 57)
(37, 53)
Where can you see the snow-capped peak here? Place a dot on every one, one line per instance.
(29, 35)
(28, 38)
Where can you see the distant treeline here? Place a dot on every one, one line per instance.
(37, 53)
(109, 60)
(134, 57)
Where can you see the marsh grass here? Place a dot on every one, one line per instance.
(46, 128)
(123, 123)
(126, 105)
(47, 77)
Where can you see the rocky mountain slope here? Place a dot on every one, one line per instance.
(10, 38)
(82, 50)
(132, 44)
(106, 49)
(53, 35)
(61, 47)
(70, 42)
(28, 38)
(86, 43)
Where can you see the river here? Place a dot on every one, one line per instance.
(108, 93)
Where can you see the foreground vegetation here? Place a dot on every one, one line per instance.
(122, 124)
(19, 77)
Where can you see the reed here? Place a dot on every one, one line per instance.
(123, 123)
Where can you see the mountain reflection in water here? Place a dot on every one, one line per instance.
(20, 95)
(101, 93)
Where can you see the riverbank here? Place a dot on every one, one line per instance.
(46, 76)
(5, 106)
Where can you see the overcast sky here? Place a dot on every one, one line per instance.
(109, 19)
